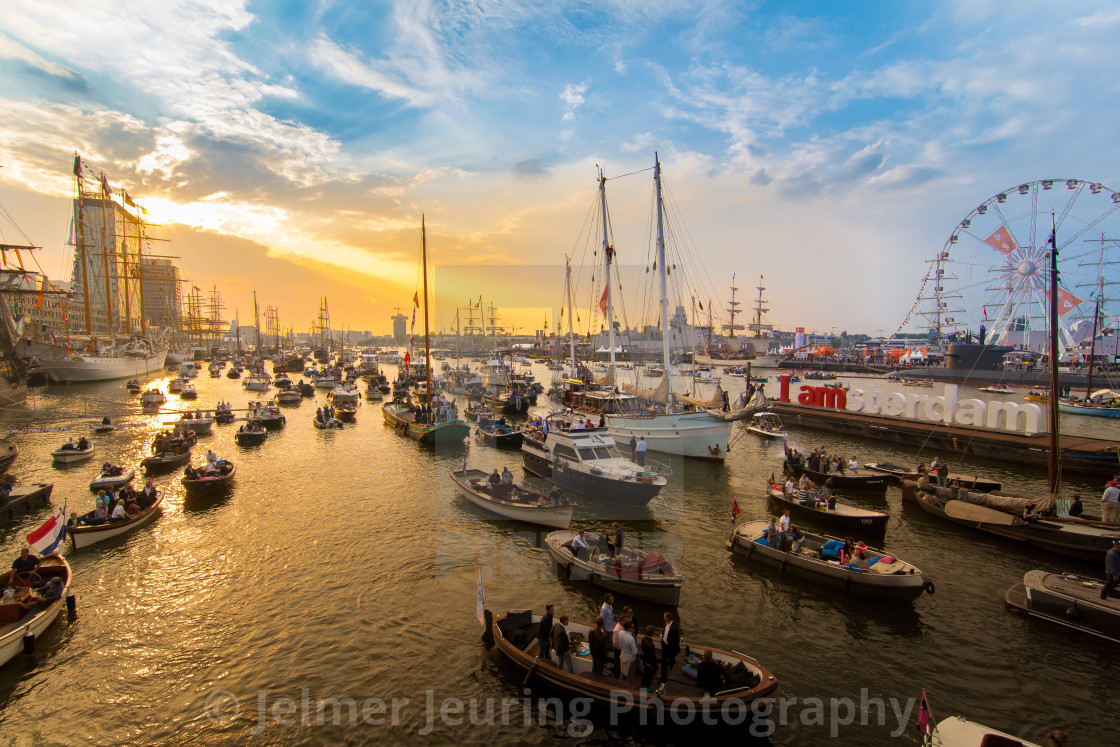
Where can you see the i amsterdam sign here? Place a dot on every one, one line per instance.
(1009, 416)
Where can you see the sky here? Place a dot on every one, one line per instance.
(292, 148)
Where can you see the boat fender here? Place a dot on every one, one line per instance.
(782, 570)
(71, 607)
(928, 587)
(488, 627)
(28, 643)
(1073, 613)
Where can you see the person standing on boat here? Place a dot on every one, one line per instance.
(600, 651)
(670, 645)
(1111, 569)
(640, 452)
(507, 477)
(544, 633)
(562, 643)
(628, 651)
(619, 538)
(1110, 503)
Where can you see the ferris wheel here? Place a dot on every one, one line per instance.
(994, 270)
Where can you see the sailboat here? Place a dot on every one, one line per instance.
(258, 380)
(690, 432)
(138, 356)
(402, 417)
(1002, 515)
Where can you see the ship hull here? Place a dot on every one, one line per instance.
(85, 368)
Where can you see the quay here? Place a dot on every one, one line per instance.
(1096, 456)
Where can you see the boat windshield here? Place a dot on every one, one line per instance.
(589, 453)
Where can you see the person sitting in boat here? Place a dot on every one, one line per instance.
(804, 483)
(1076, 507)
(923, 481)
(796, 539)
(556, 497)
(147, 497)
(131, 507)
(45, 596)
(191, 473)
(118, 512)
(96, 516)
(829, 499)
(24, 565)
(495, 481)
(853, 465)
(69, 445)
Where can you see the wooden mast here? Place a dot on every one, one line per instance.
(571, 338)
(427, 346)
(1054, 456)
(608, 251)
(80, 236)
(663, 274)
(105, 260)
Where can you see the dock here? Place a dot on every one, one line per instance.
(24, 498)
(1094, 456)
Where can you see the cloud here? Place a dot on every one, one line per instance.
(533, 168)
(573, 98)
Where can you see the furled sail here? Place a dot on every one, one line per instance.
(715, 401)
(758, 403)
(660, 394)
(607, 379)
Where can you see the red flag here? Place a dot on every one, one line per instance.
(985, 313)
(105, 186)
(734, 510)
(603, 300)
(923, 714)
(1067, 302)
(416, 299)
(1002, 241)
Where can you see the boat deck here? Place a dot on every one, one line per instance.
(1083, 590)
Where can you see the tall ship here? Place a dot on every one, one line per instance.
(754, 351)
(109, 238)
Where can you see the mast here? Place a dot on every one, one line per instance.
(568, 290)
(482, 315)
(1093, 344)
(1054, 461)
(80, 236)
(105, 260)
(427, 345)
(257, 325)
(237, 326)
(608, 252)
(662, 276)
(140, 271)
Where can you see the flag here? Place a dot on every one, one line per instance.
(1067, 302)
(407, 360)
(923, 714)
(128, 200)
(480, 605)
(77, 165)
(701, 305)
(1001, 240)
(985, 313)
(42, 291)
(603, 300)
(46, 539)
(734, 511)
(416, 299)
(105, 186)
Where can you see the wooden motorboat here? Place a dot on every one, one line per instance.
(473, 412)
(849, 480)
(22, 498)
(324, 424)
(1088, 541)
(956, 731)
(85, 535)
(806, 504)
(64, 455)
(901, 474)
(266, 414)
(200, 483)
(133, 387)
(881, 576)
(767, 424)
(16, 623)
(403, 419)
(499, 433)
(175, 386)
(107, 479)
(224, 415)
(513, 502)
(167, 460)
(1067, 599)
(346, 412)
(189, 392)
(289, 397)
(152, 397)
(250, 435)
(997, 389)
(515, 635)
(648, 576)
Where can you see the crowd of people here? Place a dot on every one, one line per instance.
(116, 506)
(15, 585)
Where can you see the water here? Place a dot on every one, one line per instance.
(343, 565)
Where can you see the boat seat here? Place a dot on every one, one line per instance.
(10, 613)
(677, 689)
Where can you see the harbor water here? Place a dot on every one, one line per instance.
(342, 565)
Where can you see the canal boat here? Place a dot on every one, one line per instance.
(850, 480)
(842, 517)
(69, 453)
(515, 635)
(1067, 599)
(648, 576)
(768, 425)
(499, 434)
(111, 477)
(84, 536)
(197, 482)
(167, 460)
(879, 575)
(17, 624)
(513, 501)
(250, 435)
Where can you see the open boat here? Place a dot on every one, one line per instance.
(249, 435)
(881, 577)
(515, 635)
(200, 424)
(167, 460)
(102, 428)
(64, 455)
(1067, 599)
(133, 387)
(998, 389)
(199, 483)
(902, 474)
(266, 414)
(175, 386)
(648, 576)
(16, 623)
(110, 478)
(767, 424)
(849, 480)
(289, 397)
(152, 398)
(512, 502)
(956, 731)
(86, 535)
(806, 504)
(499, 433)
(224, 414)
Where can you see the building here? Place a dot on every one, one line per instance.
(400, 329)
(109, 238)
(163, 297)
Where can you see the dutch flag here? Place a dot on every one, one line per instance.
(46, 539)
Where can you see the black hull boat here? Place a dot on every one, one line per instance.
(206, 484)
(306, 390)
(167, 460)
(1067, 599)
(499, 435)
(515, 635)
(233, 373)
(881, 576)
(845, 518)
(8, 454)
(1088, 541)
(900, 473)
(250, 436)
(842, 481)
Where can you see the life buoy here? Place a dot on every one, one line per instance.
(928, 587)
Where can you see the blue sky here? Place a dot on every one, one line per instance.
(292, 146)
